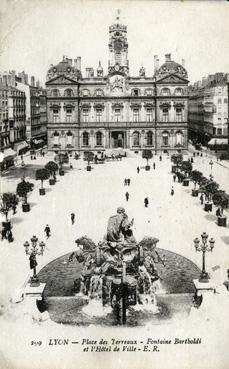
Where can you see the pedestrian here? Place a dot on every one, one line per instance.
(201, 199)
(72, 218)
(218, 212)
(127, 196)
(14, 207)
(128, 181)
(71, 167)
(146, 202)
(125, 182)
(172, 191)
(47, 231)
(138, 169)
(154, 165)
(160, 158)
(10, 236)
(4, 234)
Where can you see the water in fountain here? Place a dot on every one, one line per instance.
(146, 292)
(95, 306)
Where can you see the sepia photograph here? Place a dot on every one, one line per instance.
(114, 184)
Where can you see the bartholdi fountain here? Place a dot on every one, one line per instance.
(118, 272)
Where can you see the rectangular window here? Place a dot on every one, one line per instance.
(178, 115)
(214, 130)
(55, 115)
(69, 115)
(149, 115)
(225, 101)
(165, 115)
(117, 115)
(219, 131)
(85, 115)
(165, 140)
(98, 115)
(136, 115)
(219, 101)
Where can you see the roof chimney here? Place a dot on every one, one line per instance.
(32, 81)
(156, 63)
(167, 57)
(78, 63)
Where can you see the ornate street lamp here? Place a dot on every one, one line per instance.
(33, 250)
(205, 246)
(211, 165)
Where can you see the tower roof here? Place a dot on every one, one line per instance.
(117, 25)
(170, 67)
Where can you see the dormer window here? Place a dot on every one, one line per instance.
(135, 92)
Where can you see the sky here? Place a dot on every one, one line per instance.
(37, 33)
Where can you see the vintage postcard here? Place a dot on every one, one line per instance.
(114, 184)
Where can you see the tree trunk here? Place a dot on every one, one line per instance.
(25, 199)
(6, 214)
(41, 183)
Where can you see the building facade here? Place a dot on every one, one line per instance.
(12, 116)
(110, 110)
(208, 109)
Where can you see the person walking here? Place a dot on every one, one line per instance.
(146, 202)
(4, 234)
(72, 218)
(172, 191)
(127, 196)
(10, 236)
(160, 158)
(154, 166)
(201, 199)
(138, 170)
(174, 178)
(125, 182)
(128, 181)
(47, 231)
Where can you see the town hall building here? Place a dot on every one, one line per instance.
(111, 110)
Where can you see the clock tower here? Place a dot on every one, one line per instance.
(118, 48)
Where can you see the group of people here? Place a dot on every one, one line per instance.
(7, 234)
(127, 182)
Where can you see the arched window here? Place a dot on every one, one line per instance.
(85, 92)
(69, 138)
(178, 91)
(165, 138)
(98, 92)
(136, 139)
(135, 92)
(165, 91)
(68, 92)
(55, 92)
(56, 136)
(179, 138)
(85, 139)
(149, 138)
(99, 138)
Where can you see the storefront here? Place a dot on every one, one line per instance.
(7, 159)
(21, 147)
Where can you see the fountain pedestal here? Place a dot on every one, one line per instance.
(203, 287)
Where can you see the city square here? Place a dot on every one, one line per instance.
(114, 191)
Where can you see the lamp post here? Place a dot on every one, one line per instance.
(33, 250)
(211, 165)
(204, 247)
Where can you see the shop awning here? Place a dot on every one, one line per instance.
(218, 141)
(9, 153)
(38, 142)
(20, 145)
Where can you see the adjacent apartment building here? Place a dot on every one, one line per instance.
(208, 110)
(108, 110)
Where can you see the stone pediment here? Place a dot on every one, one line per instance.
(61, 80)
(172, 78)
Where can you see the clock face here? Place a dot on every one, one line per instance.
(117, 67)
